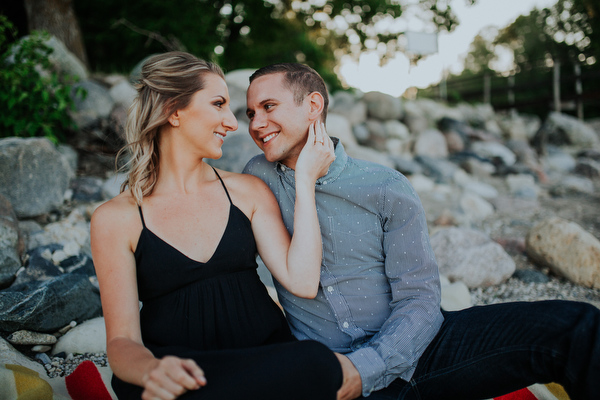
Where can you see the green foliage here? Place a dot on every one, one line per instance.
(246, 33)
(34, 101)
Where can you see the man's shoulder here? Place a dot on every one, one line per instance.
(258, 165)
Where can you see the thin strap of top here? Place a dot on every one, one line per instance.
(222, 183)
(142, 216)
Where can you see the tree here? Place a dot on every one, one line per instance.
(57, 17)
(248, 33)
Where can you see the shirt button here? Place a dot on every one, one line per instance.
(345, 325)
(330, 289)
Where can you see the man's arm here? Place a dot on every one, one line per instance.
(412, 273)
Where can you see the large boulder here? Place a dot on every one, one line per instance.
(561, 129)
(34, 176)
(46, 306)
(12, 244)
(567, 249)
(94, 106)
(470, 256)
(383, 106)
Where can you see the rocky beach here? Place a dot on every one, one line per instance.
(512, 203)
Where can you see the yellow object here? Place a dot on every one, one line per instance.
(21, 383)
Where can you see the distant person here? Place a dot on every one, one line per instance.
(182, 238)
(379, 299)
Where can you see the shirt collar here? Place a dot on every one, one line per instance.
(335, 169)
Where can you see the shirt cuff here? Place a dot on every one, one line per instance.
(370, 367)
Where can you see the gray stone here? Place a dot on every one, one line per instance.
(123, 93)
(474, 207)
(531, 276)
(431, 143)
(339, 127)
(361, 133)
(238, 149)
(34, 176)
(442, 171)
(87, 189)
(70, 154)
(97, 104)
(588, 168)
(558, 160)
(88, 337)
(567, 249)
(64, 61)
(49, 305)
(561, 129)
(382, 106)
(455, 295)
(494, 150)
(523, 185)
(346, 104)
(572, 184)
(24, 337)
(112, 186)
(470, 256)
(406, 165)
(12, 245)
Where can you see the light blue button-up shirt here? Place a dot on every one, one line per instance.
(379, 296)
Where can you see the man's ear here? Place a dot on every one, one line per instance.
(316, 104)
(174, 119)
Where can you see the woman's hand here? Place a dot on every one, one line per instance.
(316, 156)
(171, 378)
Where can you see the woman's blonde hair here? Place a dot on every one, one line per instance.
(168, 82)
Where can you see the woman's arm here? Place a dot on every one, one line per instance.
(114, 234)
(295, 263)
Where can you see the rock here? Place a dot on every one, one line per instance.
(469, 184)
(87, 189)
(339, 127)
(407, 166)
(442, 171)
(558, 160)
(455, 295)
(48, 305)
(39, 348)
(567, 249)
(382, 106)
(112, 186)
(23, 337)
(347, 105)
(361, 133)
(237, 82)
(523, 186)
(588, 168)
(70, 154)
(396, 130)
(421, 183)
(39, 265)
(431, 143)
(72, 233)
(494, 150)
(470, 256)
(572, 184)
(475, 207)
(123, 93)
(34, 176)
(238, 149)
(531, 276)
(12, 244)
(88, 337)
(96, 105)
(561, 129)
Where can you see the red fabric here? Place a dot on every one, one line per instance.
(523, 394)
(85, 383)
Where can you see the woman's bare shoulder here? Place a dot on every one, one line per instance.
(121, 210)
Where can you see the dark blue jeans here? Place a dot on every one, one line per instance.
(487, 351)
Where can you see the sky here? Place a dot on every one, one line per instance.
(397, 75)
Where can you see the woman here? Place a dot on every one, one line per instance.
(182, 238)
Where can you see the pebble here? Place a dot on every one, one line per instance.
(64, 366)
(24, 337)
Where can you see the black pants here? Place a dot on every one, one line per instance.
(298, 370)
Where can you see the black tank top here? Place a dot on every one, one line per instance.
(219, 304)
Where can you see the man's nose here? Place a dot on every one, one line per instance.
(258, 121)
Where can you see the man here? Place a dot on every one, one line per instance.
(378, 303)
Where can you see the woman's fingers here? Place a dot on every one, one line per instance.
(172, 378)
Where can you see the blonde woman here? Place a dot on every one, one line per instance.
(182, 238)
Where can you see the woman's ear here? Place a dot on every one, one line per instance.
(174, 119)
(316, 104)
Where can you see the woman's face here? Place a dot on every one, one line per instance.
(204, 123)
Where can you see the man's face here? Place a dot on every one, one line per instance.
(278, 125)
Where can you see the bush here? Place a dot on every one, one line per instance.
(34, 99)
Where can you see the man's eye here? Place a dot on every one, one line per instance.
(250, 115)
(268, 106)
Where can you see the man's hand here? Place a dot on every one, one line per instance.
(352, 384)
